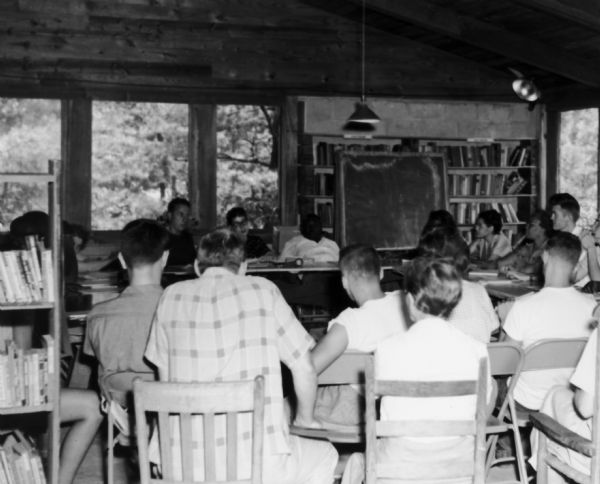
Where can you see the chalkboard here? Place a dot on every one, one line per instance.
(384, 200)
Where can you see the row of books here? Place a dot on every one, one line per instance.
(325, 211)
(20, 461)
(325, 153)
(24, 374)
(26, 276)
(484, 184)
(466, 213)
(494, 154)
(310, 183)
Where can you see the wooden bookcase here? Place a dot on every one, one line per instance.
(490, 174)
(56, 313)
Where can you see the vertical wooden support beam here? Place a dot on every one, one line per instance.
(552, 152)
(288, 161)
(598, 174)
(202, 169)
(76, 153)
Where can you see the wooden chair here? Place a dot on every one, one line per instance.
(474, 427)
(550, 429)
(116, 389)
(506, 360)
(206, 399)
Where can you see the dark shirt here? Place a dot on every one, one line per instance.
(255, 247)
(181, 249)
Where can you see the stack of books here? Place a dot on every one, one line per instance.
(20, 461)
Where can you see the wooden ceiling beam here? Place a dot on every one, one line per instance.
(565, 11)
(490, 37)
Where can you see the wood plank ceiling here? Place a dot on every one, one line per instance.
(189, 49)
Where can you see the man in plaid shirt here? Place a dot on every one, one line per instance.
(225, 326)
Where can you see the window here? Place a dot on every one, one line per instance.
(246, 170)
(139, 160)
(578, 165)
(29, 137)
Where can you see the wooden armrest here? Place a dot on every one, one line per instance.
(353, 434)
(560, 434)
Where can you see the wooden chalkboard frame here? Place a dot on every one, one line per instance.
(344, 158)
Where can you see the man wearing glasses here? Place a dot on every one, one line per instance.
(237, 220)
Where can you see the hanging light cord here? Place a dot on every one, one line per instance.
(362, 97)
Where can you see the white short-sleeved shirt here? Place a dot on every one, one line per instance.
(326, 250)
(373, 322)
(552, 312)
(484, 251)
(474, 313)
(582, 264)
(584, 376)
(431, 350)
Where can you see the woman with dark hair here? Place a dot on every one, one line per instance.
(474, 313)
(527, 256)
(490, 243)
(439, 220)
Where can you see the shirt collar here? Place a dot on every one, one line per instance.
(217, 272)
(145, 288)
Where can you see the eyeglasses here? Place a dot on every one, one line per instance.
(239, 223)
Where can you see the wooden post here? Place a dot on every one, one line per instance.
(552, 153)
(202, 169)
(288, 160)
(76, 148)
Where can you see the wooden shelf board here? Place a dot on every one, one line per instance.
(317, 197)
(504, 224)
(474, 170)
(47, 407)
(488, 198)
(15, 306)
(27, 177)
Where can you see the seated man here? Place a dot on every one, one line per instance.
(182, 250)
(573, 407)
(430, 350)
(558, 310)
(118, 329)
(241, 328)
(378, 317)
(311, 243)
(237, 221)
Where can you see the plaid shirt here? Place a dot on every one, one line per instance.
(226, 327)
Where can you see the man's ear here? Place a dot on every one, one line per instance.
(381, 273)
(122, 260)
(164, 258)
(345, 283)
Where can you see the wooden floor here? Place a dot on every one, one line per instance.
(92, 469)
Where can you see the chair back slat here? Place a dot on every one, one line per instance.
(164, 439)
(425, 389)
(505, 358)
(424, 428)
(187, 443)
(231, 446)
(349, 368)
(210, 461)
(210, 402)
(469, 466)
(548, 354)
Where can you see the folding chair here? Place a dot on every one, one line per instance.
(506, 360)
(550, 429)
(471, 467)
(206, 399)
(116, 389)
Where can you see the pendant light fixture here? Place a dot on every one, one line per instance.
(362, 113)
(525, 88)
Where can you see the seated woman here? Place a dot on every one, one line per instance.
(474, 314)
(439, 220)
(527, 256)
(490, 243)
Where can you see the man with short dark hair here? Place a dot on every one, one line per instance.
(237, 221)
(558, 310)
(117, 330)
(182, 250)
(225, 326)
(311, 243)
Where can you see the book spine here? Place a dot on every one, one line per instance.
(48, 275)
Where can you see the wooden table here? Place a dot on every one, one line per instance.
(510, 290)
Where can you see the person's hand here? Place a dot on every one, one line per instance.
(587, 241)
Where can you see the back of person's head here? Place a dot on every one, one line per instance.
(491, 218)
(435, 286)
(439, 220)
(143, 242)
(446, 245)
(34, 222)
(173, 204)
(567, 202)
(564, 246)
(311, 227)
(544, 220)
(234, 213)
(221, 248)
(360, 261)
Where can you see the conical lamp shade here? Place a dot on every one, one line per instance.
(363, 114)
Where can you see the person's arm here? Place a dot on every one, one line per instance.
(508, 260)
(305, 388)
(589, 246)
(330, 347)
(584, 403)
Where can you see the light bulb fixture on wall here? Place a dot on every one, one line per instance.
(525, 88)
(362, 113)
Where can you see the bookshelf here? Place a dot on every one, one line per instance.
(52, 300)
(490, 174)
(316, 170)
